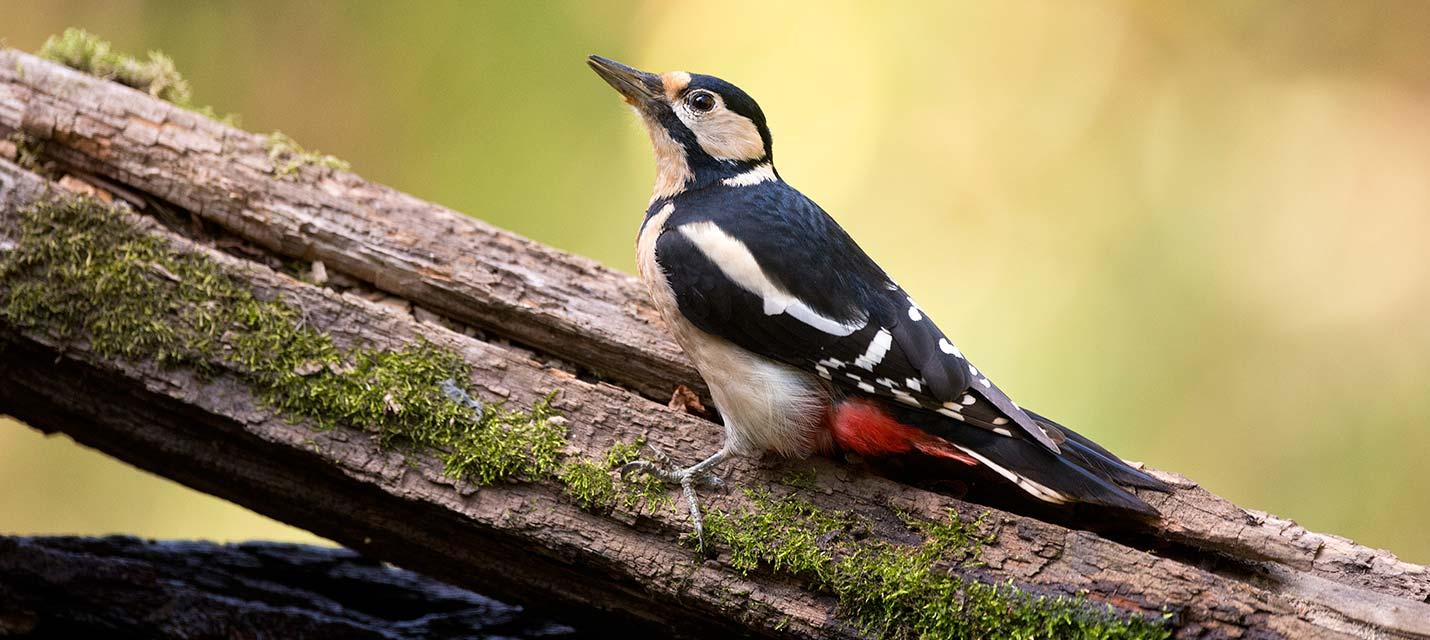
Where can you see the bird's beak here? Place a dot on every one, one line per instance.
(637, 87)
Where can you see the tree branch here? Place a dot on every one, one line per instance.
(1222, 571)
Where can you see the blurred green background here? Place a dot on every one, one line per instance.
(1199, 231)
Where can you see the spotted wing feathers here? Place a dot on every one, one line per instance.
(768, 270)
(927, 370)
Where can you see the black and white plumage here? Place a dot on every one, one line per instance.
(806, 343)
(764, 267)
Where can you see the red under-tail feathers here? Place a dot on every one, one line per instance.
(862, 427)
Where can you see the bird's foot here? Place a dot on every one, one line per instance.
(664, 469)
(688, 478)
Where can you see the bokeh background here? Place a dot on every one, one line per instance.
(1197, 231)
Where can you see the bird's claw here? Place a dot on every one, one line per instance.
(665, 473)
(662, 468)
(688, 478)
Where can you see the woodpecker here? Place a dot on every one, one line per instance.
(807, 345)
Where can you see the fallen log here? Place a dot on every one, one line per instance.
(55, 587)
(1228, 572)
(479, 276)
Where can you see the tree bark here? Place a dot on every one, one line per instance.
(63, 587)
(1223, 571)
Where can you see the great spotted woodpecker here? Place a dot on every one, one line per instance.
(806, 344)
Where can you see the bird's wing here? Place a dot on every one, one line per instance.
(795, 288)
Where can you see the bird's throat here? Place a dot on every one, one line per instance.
(672, 169)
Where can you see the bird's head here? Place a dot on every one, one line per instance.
(703, 129)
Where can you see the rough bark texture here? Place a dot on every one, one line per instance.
(1226, 572)
(123, 587)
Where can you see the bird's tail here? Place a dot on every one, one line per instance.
(1103, 462)
(1082, 473)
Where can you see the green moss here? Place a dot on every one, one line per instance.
(84, 51)
(894, 591)
(155, 75)
(786, 535)
(82, 271)
(288, 156)
(158, 76)
(800, 478)
(589, 485)
(624, 452)
(29, 152)
(595, 486)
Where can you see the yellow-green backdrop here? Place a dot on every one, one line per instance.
(1199, 231)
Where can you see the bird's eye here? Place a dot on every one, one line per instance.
(701, 101)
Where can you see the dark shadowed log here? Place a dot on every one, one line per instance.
(1222, 571)
(63, 587)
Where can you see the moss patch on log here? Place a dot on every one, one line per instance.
(158, 76)
(155, 75)
(83, 271)
(894, 591)
(288, 156)
(594, 486)
(27, 152)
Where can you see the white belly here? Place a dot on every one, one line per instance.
(766, 405)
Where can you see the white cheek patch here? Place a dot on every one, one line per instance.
(738, 264)
(722, 133)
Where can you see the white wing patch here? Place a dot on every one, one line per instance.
(952, 414)
(878, 348)
(915, 313)
(739, 265)
(948, 347)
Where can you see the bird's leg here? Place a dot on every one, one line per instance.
(687, 478)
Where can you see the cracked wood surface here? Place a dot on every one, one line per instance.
(556, 303)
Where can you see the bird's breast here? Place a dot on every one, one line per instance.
(648, 266)
(766, 405)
